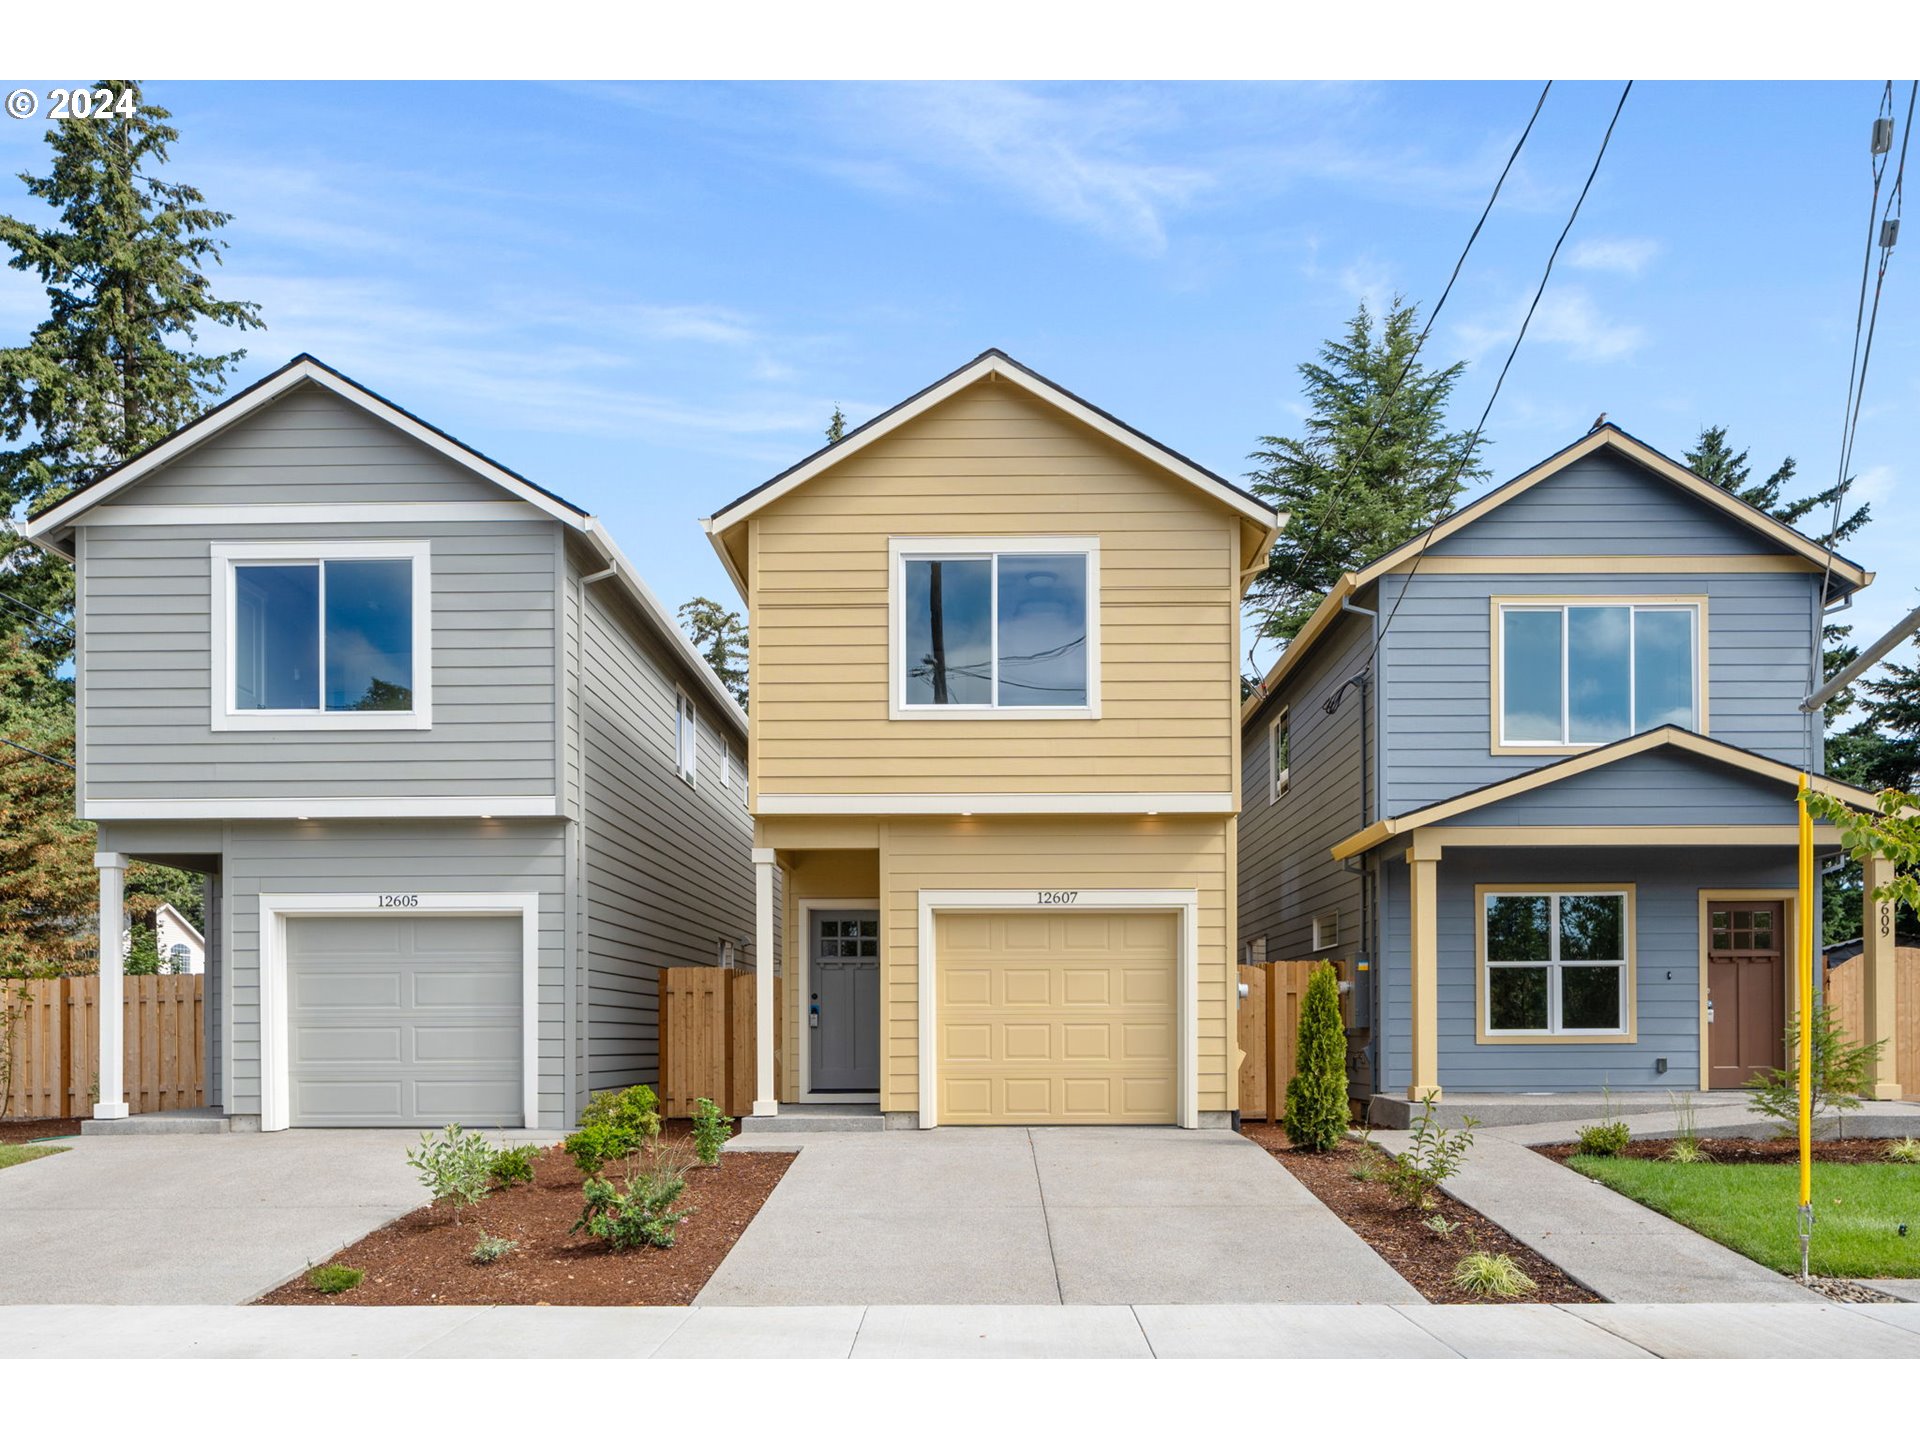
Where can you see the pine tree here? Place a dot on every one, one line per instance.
(720, 635)
(836, 426)
(1317, 1111)
(1374, 466)
(113, 367)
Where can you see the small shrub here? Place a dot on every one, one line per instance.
(634, 1109)
(334, 1279)
(1483, 1274)
(711, 1130)
(1687, 1150)
(644, 1213)
(597, 1146)
(493, 1247)
(1434, 1157)
(1839, 1073)
(1904, 1151)
(512, 1166)
(454, 1165)
(1440, 1225)
(1365, 1171)
(1317, 1109)
(1610, 1137)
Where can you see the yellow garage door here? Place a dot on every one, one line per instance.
(1055, 1018)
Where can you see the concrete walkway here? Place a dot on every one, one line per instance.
(1378, 1332)
(1081, 1216)
(1616, 1247)
(195, 1219)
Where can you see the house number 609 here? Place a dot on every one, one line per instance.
(1059, 897)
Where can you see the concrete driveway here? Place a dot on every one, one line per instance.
(194, 1219)
(1085, 1216)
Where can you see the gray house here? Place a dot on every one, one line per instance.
(458, 784)
(1532, 782)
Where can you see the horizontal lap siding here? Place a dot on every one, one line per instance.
(1162, 854)
(992, 461)
(668, 866)
(1650, 789)
(363, 857)
(1287, 870)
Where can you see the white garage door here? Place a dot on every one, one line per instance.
(404, 1020)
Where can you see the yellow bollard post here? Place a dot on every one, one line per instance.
(1803, 990)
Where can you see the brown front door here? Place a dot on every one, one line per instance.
(1746, 990)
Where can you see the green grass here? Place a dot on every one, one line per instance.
(20, 1154)
(1858, 1210)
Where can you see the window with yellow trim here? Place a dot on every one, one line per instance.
(1579, 674)
(1556, 962)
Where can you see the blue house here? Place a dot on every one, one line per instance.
(1532, 780)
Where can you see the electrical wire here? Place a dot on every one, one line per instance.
(1385, 405)
(38, 754)
(22, 606)
(1500, 380)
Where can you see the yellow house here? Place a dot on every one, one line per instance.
(996, 762)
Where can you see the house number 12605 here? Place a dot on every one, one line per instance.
(1059, 897)
(399, 902)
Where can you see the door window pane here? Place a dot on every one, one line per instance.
(276, 650)
(1531, 682)
(1517, 998)
(1598, 639)
(369, 635)
(1663, 669)
(949, 632)
(1043, 630)
(1590, 997)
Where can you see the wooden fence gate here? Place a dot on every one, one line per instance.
(708, 1021)
(1269, 1032)
(1846, 993)
(56, 1046)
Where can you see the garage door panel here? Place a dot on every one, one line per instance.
(1065, 1019)
(404, 1020)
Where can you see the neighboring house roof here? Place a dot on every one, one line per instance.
(1666, 737)
(1608, 436)
(995, 364)
(180, 922)
(46, 526)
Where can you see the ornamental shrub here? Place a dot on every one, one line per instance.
(334, 1279)
(635, 1108)
(1840, 1072)
(1317, 1110)
(1609, 1138)
(711, 1129)
(454, 1165)
(597, 1146)
(643, 1214)
(1433, 1156)
(512, 1166)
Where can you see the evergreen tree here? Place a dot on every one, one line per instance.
(1374, 465)
(720, 635)
(113, 367)
(836, 427)
(1317, 1111)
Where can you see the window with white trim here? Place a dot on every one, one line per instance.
(687, 739)
(1326, 930)
(1279, 756)
(726, 766)
(996, 627)
(726, 954)
(322, 636)
(1580, 674)
(1556, 962)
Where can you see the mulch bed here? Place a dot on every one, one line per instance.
(1396, 1232)
(424, 1258)
(1736, 1151)
(25, 1132)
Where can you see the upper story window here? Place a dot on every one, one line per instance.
(1007, 627)
(1279, 756)
(1573, 674)
(311, 636)
(686, 739)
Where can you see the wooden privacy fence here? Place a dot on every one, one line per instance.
(1269, 1032)
(708, 1021)
(56, 1046)
(1846, 993)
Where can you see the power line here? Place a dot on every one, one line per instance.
(41, 614)
(38, 754)
(1406, 369)
(1473, 441)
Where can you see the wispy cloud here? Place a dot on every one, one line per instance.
(1621, 255)
(1568, 317)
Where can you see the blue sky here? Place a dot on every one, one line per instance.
(650, 297)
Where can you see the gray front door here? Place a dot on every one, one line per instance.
(843, 1001)
(404, 1020)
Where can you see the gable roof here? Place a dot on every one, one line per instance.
(1667, 737)
(995, 364)
(1606, 437)
(46, 525)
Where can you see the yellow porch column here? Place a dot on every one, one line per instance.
(1424, 972)
(1877, 933)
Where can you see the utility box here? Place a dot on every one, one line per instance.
(1359, 993)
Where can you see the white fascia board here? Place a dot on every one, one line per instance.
(1170, 803)
(325, 807)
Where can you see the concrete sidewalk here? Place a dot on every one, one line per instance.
(1377, 1332)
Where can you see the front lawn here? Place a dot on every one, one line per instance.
(1858, 1210)
(20, 1154)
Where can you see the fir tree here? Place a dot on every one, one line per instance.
(1374, 465)
(836, 427)
(1317, 1111)
(720, 635)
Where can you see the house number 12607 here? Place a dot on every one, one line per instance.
(1059, 897)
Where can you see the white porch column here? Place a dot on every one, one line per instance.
(1878, 940)
(112, 1104)
(764, 1102)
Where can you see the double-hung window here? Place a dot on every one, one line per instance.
(1279, 756)
(686, 739)
(1556, 962)
(1575, 674)
(322, 636)
(1004, 627)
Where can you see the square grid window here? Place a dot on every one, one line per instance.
(687, 739)
(847, 939)
(1556, 962)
